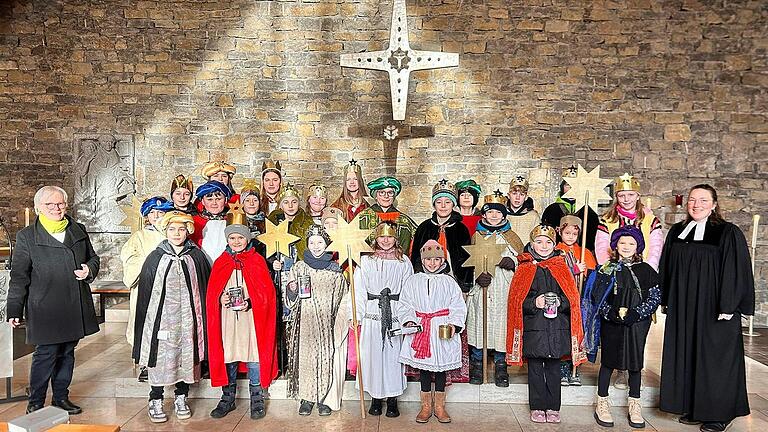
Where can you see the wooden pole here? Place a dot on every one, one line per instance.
(584, 238)
(485, 324)
(355, 331)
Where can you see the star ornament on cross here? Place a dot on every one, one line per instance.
(398, 60)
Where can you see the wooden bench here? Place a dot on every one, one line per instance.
(106, 289)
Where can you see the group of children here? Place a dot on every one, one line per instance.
(206, 298)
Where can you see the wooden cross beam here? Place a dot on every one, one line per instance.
(398, 60)
(391, 134)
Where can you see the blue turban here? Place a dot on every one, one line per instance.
(156, 203)
(211, 187)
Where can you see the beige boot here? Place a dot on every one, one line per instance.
(635, 415)
(440, 412)
(426, 408)
(603, 412)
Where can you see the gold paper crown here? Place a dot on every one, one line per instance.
(495, 198)
(288, 191)
(544, 230)
(519, 181)
(353, 166)
(570, 172)
(386, 229)
(235, 215)
(182, 182)
(627, 182)
(250, 184)
(212, 168)
(445, 186)
(178, 217)
(318, 230)
(270, 165)
(318, 190)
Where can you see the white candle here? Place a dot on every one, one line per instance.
(755, 222)
(26, 216)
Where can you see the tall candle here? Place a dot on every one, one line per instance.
(26, 216)
(648, 202)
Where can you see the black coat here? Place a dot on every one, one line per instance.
(457, 235)
(545, 337)
(58, 307)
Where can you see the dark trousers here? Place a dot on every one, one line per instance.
(54, 363)
(544, 384)
(425, 377)
(156, 392)
(604, 381)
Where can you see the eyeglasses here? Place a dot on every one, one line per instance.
(54, 206)
(389, 193)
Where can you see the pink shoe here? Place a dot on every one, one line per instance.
(553, 416)
(538, 416)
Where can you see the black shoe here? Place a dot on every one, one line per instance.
(223, 408)
(32, 407)
(143, 374)
(323, 410)
(500, 375)
(258, 410)
(67, 406)
(375, 409)
(687, 420)
(475, 372)
(305, 408)
(392, 410)
(715, 426)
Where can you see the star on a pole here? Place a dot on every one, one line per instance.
(587, 187)
(133, 218)
(484, 253)
(277, 238)
(349, 240)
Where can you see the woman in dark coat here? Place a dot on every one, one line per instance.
(53, 264)
(707, 285)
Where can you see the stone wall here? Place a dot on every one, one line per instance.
(672, 91)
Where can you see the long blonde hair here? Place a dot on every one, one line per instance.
(612, 214)
(346, 196)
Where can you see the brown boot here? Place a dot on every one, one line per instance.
(440, 412)
(426, 408)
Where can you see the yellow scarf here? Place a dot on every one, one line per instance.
(52, 226)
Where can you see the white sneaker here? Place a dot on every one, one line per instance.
(181, 408)
(155, 411)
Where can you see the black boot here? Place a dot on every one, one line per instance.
(305, 407)
(67, 406)
(227, 403)
(258, 410)
(500, 375)
(392, 410)
(476, 372)
(375, 409)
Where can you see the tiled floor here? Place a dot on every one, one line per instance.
(756, 347)
(105, 356)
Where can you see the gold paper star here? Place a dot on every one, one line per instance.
(349, 240)
(484, 253)
(277, 238)
(587, 186)
(133, 218)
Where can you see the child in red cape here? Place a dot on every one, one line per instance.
(241, 311)
(543, 322)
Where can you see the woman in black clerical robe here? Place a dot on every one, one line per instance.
(707, 285)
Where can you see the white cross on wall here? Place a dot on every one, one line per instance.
(398, 60)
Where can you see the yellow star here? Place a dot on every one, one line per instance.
(484, 253)
(277, 238)
(349, 240)
(587, 187)
(133, 218)
(627, 177)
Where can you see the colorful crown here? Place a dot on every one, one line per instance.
(519, 181)
(570, 172)
(288, 191)
(270, 165)
(627, 182)
(495, 198)
(444, 186)
(386, 229)
(235, 215)
(544, 230)
(318, 230)
(212, 168)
